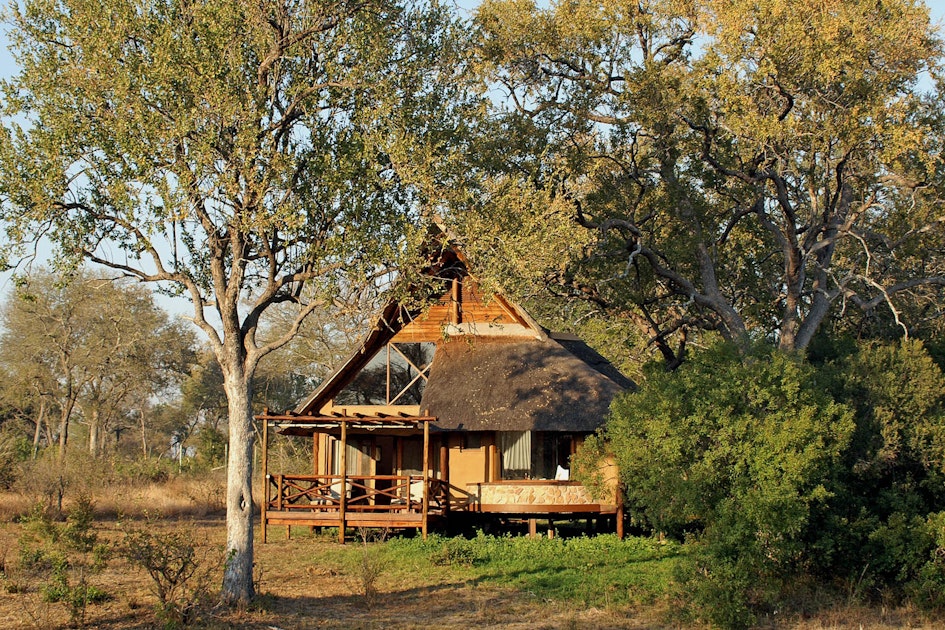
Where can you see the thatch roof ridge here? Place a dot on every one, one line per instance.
(516, 384)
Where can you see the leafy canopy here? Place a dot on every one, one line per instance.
(227, 151)
(749, 167)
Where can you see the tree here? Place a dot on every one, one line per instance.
(24, 393)
(242, 154)
(777, 468)
(87, 342)
(149, 354)
(740, 166)
(736, 450)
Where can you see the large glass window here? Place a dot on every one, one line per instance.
(396, 375)
(516, 447)
(538, 455)
(358, 456)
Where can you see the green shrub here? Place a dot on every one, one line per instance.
(738, 451)
(779, 469)
(454, 552)
(891, 482)
(211, 447)
(927, 588)
(15, 449)
(146, 470)
(181, 575)
(64, 557)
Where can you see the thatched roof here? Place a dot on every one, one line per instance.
(491, 374)
(520, 384)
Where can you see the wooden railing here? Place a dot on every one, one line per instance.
(365, 493)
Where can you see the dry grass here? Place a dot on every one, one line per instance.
(303, 585)
(177, 498)
(181, 497)
(298, 590)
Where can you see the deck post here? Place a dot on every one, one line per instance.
(315, 440)
(426, 478)
(494, 469)
(399, 461)
(619, 515)
(279, 493)
(445, 472)
(343, 491)
(265, 474)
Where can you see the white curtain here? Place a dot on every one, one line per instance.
(516, 450)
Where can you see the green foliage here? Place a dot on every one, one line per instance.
(238, 161)
(15, 448)
(893, 476)
(927, 586)
(778, 469)
(64, 557)
(728, 435)
(144, 470)
(738, 450)
(455, 552)
(898, 392)
(180, 573)
(245, 155)
(211, 447)
(81, 343)
(738, 166)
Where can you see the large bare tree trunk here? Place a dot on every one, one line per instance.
(238, 574)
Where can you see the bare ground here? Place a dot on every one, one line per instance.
(300, 590)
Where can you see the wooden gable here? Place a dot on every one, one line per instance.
(462, 310)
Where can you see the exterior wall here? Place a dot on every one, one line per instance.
(467, 465)
(532, 493)
(544, 495)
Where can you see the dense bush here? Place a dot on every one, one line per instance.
(891, 484)
(777, 469)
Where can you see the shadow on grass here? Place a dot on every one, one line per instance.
(458, 603)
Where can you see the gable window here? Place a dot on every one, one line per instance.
(396, 375)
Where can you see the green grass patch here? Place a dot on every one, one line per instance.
(600, 571)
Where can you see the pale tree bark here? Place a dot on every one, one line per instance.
(238, 573)
(64, 416)
(144, 435)
(40, 419)
(94, 426)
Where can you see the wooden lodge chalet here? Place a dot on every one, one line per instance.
(468, 410)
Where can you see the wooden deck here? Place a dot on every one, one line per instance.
(382, 501)
(557, 508)
(411, 501)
